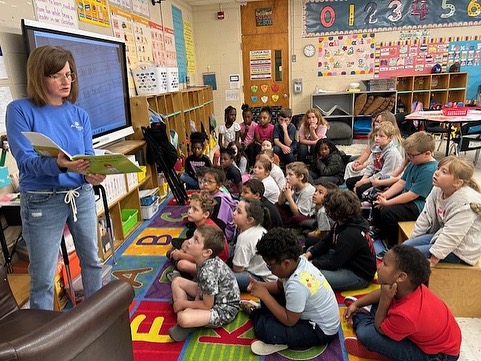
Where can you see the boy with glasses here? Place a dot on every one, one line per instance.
(299, 310)
(405, 199)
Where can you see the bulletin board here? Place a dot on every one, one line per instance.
(468, 53)
(398, 58)
(351, 54)
(334, 17)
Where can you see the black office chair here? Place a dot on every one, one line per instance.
(436, 128)
(469, 138)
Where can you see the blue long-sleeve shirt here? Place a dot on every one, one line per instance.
(67, 125)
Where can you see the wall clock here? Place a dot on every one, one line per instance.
(309, 50)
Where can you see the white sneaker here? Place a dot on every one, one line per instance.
(263, 349)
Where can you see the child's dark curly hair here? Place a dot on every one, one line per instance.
(245, 108)
(218, 174)
(278, 244)
(342, 205)
(413, 262)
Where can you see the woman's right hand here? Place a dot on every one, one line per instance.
(79, 165)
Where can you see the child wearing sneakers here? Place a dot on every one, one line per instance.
(406, 320)
(213, 300)
(300, 309)
(405, 199)
(295, 201)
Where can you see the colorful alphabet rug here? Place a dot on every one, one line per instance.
(141, 261)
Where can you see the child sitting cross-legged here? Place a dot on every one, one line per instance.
(233, 178)
(194, 161)
(448, 228)
(254, 188)
(295, 200)
(384, 159)
(276, 172)
(222, 214)
(346, 256)
(406, 320)
(262, 171)
(300, 309)
(328, 164)
(322, 224)
(250, 218)
(200, 208)
(213, 300)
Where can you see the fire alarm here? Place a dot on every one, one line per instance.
(220, 15)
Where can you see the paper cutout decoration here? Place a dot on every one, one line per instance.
(254, 88)
(254, 98)
(275, 87)
(264, 88)
(264, 99)
(275, 98)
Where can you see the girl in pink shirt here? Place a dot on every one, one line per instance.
(248, 126)
(263, 131)
(313, 128)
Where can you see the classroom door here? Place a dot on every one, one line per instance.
(265, 53)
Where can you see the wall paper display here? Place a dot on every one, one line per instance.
(5, 99)
(123, 28)
(141, 7)
(409, 57)
(94, 12)
(332, 17)
(3, 68)
(189, 47)
(126, 4)
(63, 14)
(179, 43)
(158, 48)
(346, 55)
(143, 40)
(467, 52)
(260, 64)
(169, 43)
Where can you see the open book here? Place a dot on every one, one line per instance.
(115, 163)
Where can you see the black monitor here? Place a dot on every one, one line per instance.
(101, 73)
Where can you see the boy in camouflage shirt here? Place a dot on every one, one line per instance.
(213, 300)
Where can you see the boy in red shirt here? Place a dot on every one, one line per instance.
(406, 321)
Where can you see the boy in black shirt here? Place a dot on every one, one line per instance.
(195, 160)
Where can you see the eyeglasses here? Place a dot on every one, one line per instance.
(411, 156)
(58, 77)
(270, 265)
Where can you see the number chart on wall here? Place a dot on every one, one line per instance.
(334, 17)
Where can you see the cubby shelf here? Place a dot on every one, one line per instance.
(441, 88)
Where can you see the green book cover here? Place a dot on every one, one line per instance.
(111, 163)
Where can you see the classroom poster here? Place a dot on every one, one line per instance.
(123, 28)
(351, 54)
(179, 43)
(143, 40)
(189, 47)
(94, 12)
(467, 52)
(337, 17)
(3, 68)
(158, 48)
(397, 58)
(5, 99)
(141, 7)
(260, 64)
(64, 14)
(170, 52)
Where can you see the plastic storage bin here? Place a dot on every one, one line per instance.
(150, 80)
(129, 219)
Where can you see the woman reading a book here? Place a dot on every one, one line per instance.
(54, 191)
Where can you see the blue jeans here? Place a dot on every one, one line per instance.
(191, 182)
(286, 158)
(243, 279)
(44, 215)
(423, 243)
(404, 350)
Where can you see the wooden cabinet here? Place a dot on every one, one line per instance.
(122, 192)
(424, 88)
(340, 106)
(181, 110)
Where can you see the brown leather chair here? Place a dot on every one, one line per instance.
(96, 329)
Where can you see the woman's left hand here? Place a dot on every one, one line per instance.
(95, 179)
